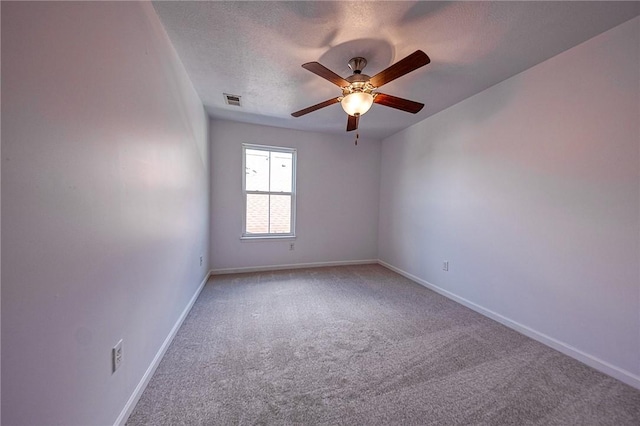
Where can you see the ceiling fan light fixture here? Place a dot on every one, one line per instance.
(357, 103)
(359, 91)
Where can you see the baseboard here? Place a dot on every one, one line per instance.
(267, 268)
(590, 360)
(137, 393)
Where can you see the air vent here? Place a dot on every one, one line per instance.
(232, 99)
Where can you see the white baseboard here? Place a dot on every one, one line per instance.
(137, 393)
(590, 360)
(267, 268)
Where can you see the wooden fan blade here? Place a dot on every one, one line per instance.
(352, 122)
(411, 63)
(324, 72)
(316, 107)
(398, 103)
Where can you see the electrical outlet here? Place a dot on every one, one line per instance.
(445, 265)
(116, 356)
(292, 246)
(200, 260)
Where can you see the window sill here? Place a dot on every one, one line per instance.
(267, 238)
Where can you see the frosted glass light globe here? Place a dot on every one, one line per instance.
(357, 103)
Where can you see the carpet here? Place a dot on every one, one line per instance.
(362, 345)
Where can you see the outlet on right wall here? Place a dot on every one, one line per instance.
(531, 191)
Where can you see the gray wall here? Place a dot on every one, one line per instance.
(530, 190)
(337, 198)
(105, 205)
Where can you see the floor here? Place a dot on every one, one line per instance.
(364, 345)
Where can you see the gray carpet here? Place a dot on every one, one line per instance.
(361, 345)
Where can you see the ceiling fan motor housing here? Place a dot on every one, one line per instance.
(358, 83)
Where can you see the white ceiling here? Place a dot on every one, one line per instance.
(256, 49)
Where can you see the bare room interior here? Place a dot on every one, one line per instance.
(320, 213)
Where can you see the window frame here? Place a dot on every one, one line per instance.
(269, 236)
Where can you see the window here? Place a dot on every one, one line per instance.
(268, 186)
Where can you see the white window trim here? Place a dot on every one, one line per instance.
(279, 236)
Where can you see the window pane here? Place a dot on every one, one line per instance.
(257, 214)
(270, 176)
(281, 173)
(280, 214)
(257, 170)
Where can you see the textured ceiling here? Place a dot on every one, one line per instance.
(256, 49)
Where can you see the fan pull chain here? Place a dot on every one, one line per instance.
(357, 137)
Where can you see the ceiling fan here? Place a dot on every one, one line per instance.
(359, 90)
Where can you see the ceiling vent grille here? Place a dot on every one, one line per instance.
(232, 99)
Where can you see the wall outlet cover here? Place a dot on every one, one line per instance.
(116, 356)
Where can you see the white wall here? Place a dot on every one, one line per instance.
(530, 190)
(337, 198)
(105, 204)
